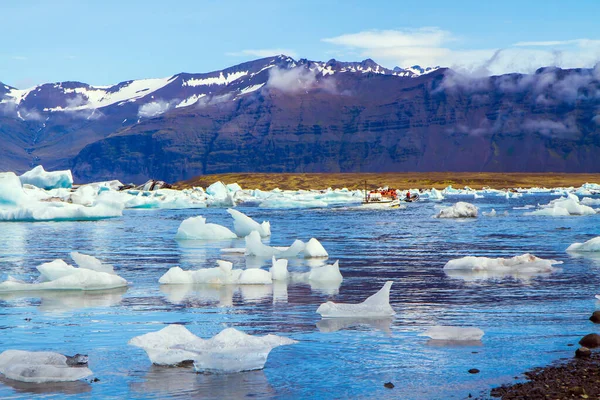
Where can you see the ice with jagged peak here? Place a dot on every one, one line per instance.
(229, 351)
(453, 333)
(375, 306)
(591, 245)
(58, 275)
(42, 366)
(435, 195)
(564, 206)
(314, 249)
(244, 225)
(90, 262)
(525, 263)
(47, 180)
(458, 210)
(223, 274)
(325, 273)
(11, 189)
(279, 271)
(196, 228)
(255, 247)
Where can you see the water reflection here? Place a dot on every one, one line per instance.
(454, 343)
(69, 388)
(472, 276)
(222, 295)
(335, 324)
(185, 382)
(66, 300)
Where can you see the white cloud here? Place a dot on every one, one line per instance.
(263, 53)
(433, 46)
(298, 79)
(155, 108)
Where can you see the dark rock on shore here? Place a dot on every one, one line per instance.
(583, 352)
(579, 378)
(595, 318)
(590, 341)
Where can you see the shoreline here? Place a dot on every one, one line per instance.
(397, 180)
(563, 378)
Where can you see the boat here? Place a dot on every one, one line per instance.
(411, 196)
(381, 198)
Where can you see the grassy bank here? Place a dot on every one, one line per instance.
(403, 180)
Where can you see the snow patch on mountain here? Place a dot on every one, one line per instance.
(216, 80)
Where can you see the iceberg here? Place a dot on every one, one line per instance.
(326, 273)
(196, 228)
(224, 274)
(47, 180)
(458, 210)
(255, 247)
(314, 249)
(42, 366)
(229, 351)
(58, 275)
(591, 245)
(564, 207)
(11, 189)
(90, 262)
(375, 306)
(525, 263)
(279, 271)
(452, 333)
(244, 225)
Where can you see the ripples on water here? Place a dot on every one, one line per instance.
(528, 321)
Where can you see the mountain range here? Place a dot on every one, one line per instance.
(277, 114)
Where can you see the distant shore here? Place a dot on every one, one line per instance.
(398, 180)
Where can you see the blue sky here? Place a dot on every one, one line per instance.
(105, 42)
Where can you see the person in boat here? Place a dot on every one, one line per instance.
(408, 195)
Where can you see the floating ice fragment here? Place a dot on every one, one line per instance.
(279, 271)
(47, 180)
(377, 305)
(453, 333)
(255, 247)
(326, 273)
(90, 262)
(228, 351)
(58, 275)
(196, 228)
(591, 245)
(526, 263)
(42, 366)
(244, 225)
(564, 207)
(224, 274)
(314, 249)
(458, 210)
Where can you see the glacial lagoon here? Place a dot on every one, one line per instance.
(528, 321)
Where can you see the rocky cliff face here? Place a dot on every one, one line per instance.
(281, 115)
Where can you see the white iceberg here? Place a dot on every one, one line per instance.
(326, 273)
(58, 275)
(452, 333)
(591, 245)
(377, 305)
(42, 367)
(525, 263)
(314, 249)
(279, 271)
(90, 262)
(244, 225)
(224, 274)
(564, 207)
(11, 189)
(47, 180)
(196, 228)
(255, 247)
(229, 351)
(458, 210)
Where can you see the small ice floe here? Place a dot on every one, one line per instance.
(377, 305)
(196, 228)
(494, 213)
(588, 201)
(458, 210)
(597, 296)
(229, 351)
(47, 180)
(525, 263)
(592, 245)
(279, 270)
(453, 333)
(314, 249)
(58, 275)
(43, 366)
(564, 206)
(255, 247)
(326, 273)
(525, 207)
(244, 225)
(224, 274)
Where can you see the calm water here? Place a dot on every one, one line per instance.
(527, 322)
